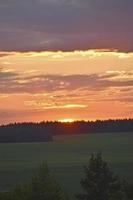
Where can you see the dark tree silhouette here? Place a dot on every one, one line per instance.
(42, 187)
(100, 183)
(25, 132)
(43, 132)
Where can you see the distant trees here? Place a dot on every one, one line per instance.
(44, 131)
(42, 187)
(100, 183)
(25, 132)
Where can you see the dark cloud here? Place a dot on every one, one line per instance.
(5, 54)
(65, 25)
(12, 83)
(6, 76)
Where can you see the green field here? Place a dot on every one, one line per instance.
(66, 156)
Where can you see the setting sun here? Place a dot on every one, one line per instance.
(66, 120)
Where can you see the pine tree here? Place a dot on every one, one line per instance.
(100, 183)
(42, 187)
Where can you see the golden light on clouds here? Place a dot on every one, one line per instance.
(91, 61)
(61, 85)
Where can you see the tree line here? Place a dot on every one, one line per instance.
(44, 131)
(25, 132)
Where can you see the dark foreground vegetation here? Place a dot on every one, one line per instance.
(41, 132)
(99, 183)
(41, 187)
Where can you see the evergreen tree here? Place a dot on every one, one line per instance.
(42, 187)
(100, 183)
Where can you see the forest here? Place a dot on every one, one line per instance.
(44, 131)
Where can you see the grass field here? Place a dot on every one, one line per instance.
(66, 156)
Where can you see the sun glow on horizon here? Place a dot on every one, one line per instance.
(46, 85)
(67, 120)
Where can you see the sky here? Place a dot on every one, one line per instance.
(65, 59)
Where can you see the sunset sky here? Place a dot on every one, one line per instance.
(66, 59)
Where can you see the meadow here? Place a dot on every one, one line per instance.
(65, 156)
